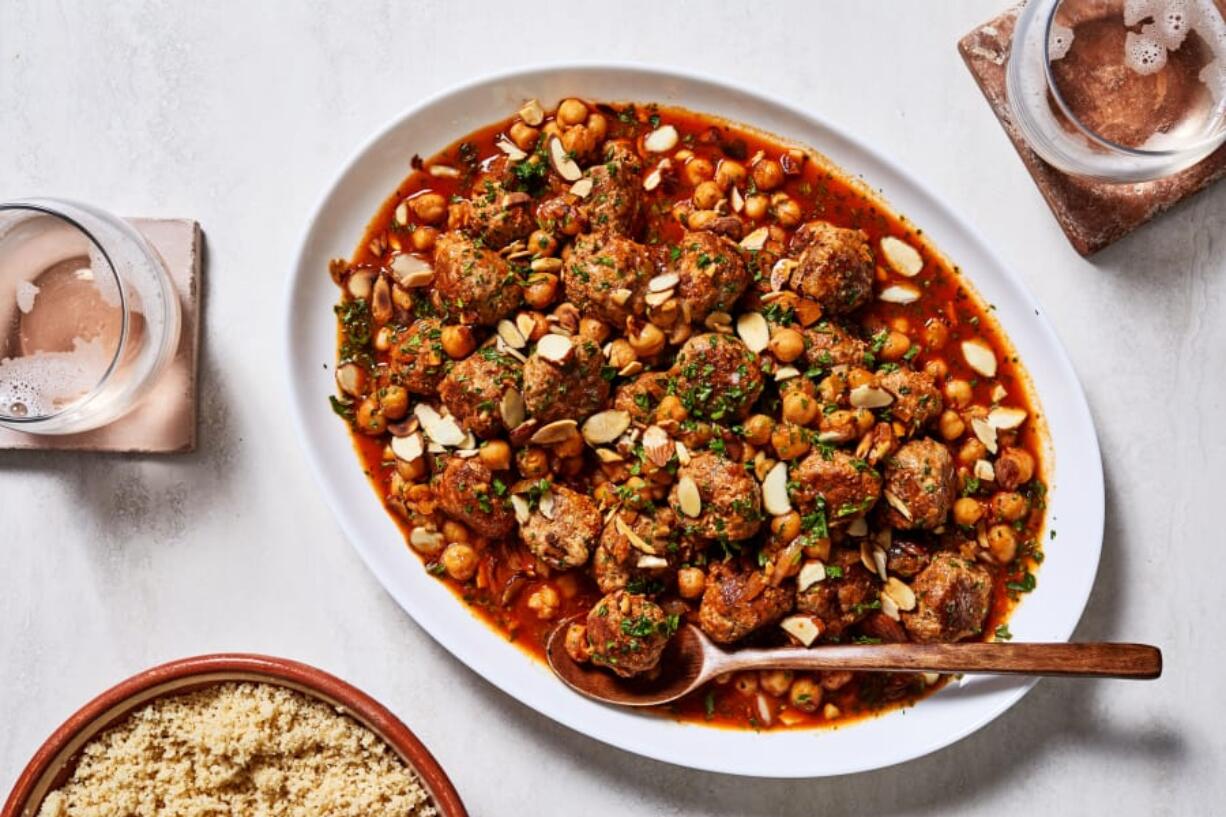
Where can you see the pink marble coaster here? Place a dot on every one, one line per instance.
(165, 421)
(1092, 214)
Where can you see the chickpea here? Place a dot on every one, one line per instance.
(541, 290)
(454, 531)
(369, 418)
(394, 402)
(460, 561)
(787, 211)
(900, 323)
(411, 471)
(971, 452)
(700, 219)
(429, 207)
(786, 527)
(458, 341)
(572, 112)
(706, 195)
(649, 341)
(544, 602)
(787, 344)
(729, 173)
(690, 582)
(593, 329)
(495, 455)
(756, 206)
(835, 679)
(1009, 506)
(572, 446)
(577, 646)
(775, 681)
(639, 491)
(698, 170)
(832, 387)
(1014, 467)
(598, 125)
(958, 393)
(423, 238)
(767, 174)
(950, 425)
(758, 429)
(621, 354)
(524, 136)
(789, 441)
(859, 377)
(936, 333)
(937, 369)
(967, 511)
(579, 141)
(1002, 543)
(533, 463)
(670, 408)
(800, 409)
(805, 695)
(542, 244)
(895, 346)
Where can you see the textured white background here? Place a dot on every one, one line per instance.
(238, 113)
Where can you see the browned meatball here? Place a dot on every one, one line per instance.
(606, 275)
(572, 389)
(847, 594)
(617, 191)
(712, 274)
(418, 361)
(919, 485)
(735, 603)
(834, 268)
(718, 378)
(473, 282)
(466, 492)
(917, 401)
(473, 389)
(494, 212)
(618, 562)
(638, 397)
(828, 345)
(564, 538)
(628, 632)
(953, 596)
(731, 498)
(847, 485)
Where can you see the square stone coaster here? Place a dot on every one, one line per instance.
(165, 421)
(1092, 214)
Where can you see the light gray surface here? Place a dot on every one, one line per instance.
(237, 114)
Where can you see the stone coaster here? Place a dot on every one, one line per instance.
(165, 421)
(1092, 214)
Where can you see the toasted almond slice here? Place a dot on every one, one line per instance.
(781, 272)
(647, 562)
(526, 324)
(546, 505)
(866, 555)
(754, 330)
(879, 561)
(662, 283)
(545, 264)
(470, 442)
(802, 628)
(870, 397)
(719, 322)
(581, 188)
(898, 505)
(467, 454)
(930, 678)
(633, 538)
(401, 214)
(985, 471)
(522, 511)
(1004, 418)
(688, 497)
(655, 299)
(656, 175)
(904, 258)
(351, 378)
(786, 373)
(657, 445)
(858, 527)
(605, 426)
(427, 540)
(511, 149)
(765, 714)
(441, 430)
(411, 271)
(555, 348)
(899, 294)
(683, 453)
(609, 455)
(620, 296)
(555, 432)
(661, 140)
(756, 240)
(889, 606)
(444, 172)
(631, 369)
(532, 113)
(901, 593)
(511, 335)
(980, 357)
(986, 432)
(502, 346)
(562, 163)
(736, 200)
(410, 448)
(999, 393)
(512, 409)
(775, 490)
(810, 574)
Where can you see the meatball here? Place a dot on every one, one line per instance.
(494, 213)
(847, 485)
(418, 361)
(735, 603)
(917, 401)
(638, 397)
(574, 388)
(473, 390)
(919, 485)
(828, 345)
(711, 272)
(606, 275)
(465, 491)
(834, 268)
(718, 378)
(618, 563)
(953, 596)
(615, 202)
(847, 594)
(473, 282)
(627, 633)
(564, 538)
(731, 499)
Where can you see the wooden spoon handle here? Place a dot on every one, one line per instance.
(1085, 660)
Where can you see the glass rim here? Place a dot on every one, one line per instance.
(1139, 153)
(47, 207)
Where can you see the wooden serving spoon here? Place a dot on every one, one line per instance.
(691, 659)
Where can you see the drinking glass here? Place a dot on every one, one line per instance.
(89, 318)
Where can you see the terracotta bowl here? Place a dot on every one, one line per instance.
(53, 762)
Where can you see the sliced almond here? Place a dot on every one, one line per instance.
(526, 324)
(511, 149)
(802, 628)
(898, 505)
(661, 140)
(1004, 418)
(781, 273)
(409, 448)
(655, 299)
(657, 445)
(633, 538)
(581, 188)
(620, 296)
(999, 393)
(810, 574)
(609, 455)
(899, 294)
(765, 714)
(351, 378)
(756, 240)
(545, 265)
(546, 505)
(664, 282)
(980, 357)
(605, 426)
(411, 271)
(683, 453)
(512, 409)
(555, 348)
(984, 471)
(688, 497)
(511, 335)
(427, 540)
(930, 678)
(775, 490)
(648, 562)
(532, 113)
(522, 511)
(904, 258)
(786, 373)
(866, 556)
(563, 164)
(901, 593)
(879, 561)
(870, 397)
(555, 432)
(441, 430)
(631, 369)
(754, 331)
(986, 432)
(444, 172)
(401, 214)
(889, 606)
(656, 176)
(719, 322)
(467, 454)
(502, 346)
(736, 200)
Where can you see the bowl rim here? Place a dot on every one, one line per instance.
(119, 701)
